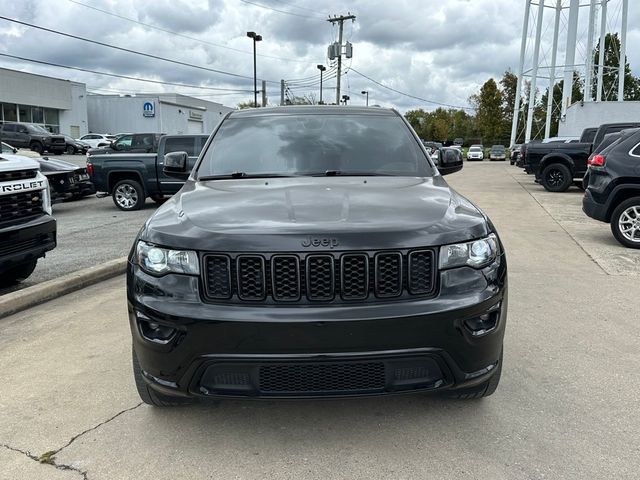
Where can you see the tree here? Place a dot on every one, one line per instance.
(245, 104)
(489, 112)
(610, 75)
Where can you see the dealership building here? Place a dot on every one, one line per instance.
(168, 113)
(60, 105)
(63, 106)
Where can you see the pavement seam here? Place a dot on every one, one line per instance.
(560, 225)
(47, 461)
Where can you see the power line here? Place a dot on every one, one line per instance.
(297, 6)
(408, 94)
(149, 55)
(282, 11)
(127, 77)
(183, 35)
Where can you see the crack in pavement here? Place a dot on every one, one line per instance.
(49, 461)
(48, 457)
(75, 437)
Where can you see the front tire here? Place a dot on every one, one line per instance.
(149, 396)
(556, 178)
(128, 195)
(18, 273)
(625, 223)
(70, 150)
(37, 147)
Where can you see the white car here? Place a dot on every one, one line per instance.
(97, 139)
(475, 152)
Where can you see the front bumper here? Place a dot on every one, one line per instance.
(26, 240)
(318, 351)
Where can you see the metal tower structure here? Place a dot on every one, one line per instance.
(538, 55)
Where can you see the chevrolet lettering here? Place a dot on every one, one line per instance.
(315, 252)
(22, 186)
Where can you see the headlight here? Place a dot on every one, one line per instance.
(46, 198)
(158, 260)
(476, 254)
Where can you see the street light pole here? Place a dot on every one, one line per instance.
(256, 38)
(365, 92)
(322, 68)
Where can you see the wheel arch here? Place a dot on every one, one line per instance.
(555, 157)
(619, 195)
(118, 175)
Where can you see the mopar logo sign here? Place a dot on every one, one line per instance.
(148, 109)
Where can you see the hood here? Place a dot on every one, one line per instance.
(9, 162)
(279, 214)
(49, 164)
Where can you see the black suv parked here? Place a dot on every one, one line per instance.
(35, 137)
(315, 252)
(613, 191)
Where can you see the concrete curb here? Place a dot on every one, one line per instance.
(28, 297)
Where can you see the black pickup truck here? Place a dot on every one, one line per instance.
(132, 177)
(557, 165)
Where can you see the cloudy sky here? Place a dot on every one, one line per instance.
(438, 50)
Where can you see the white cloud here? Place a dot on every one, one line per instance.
(434, 49)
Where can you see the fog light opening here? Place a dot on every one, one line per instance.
(483, 324)
(153, 331)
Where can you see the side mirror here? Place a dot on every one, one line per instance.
(175, 165)
(450, 161)
(113, 145)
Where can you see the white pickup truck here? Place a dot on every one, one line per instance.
(27, 229)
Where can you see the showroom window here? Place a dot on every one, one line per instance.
(9, 112)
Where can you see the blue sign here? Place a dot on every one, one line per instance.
(148, 109)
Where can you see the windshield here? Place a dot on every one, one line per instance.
(475, 149)
(315, 144)
(38, 129)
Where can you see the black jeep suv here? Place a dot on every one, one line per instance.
(613, 189)
(315, 252)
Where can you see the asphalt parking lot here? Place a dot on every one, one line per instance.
(567, 406)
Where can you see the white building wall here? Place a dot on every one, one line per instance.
(76, 116)
(28, 89)
(593, 114)
(174, 114)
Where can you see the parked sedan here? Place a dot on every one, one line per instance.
(498, 152)
(75, 146)
(66, 179)
(475, 153)
(95, 140)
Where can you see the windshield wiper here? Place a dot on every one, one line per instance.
(340, 173)
(236, 175)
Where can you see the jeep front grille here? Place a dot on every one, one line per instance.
(335, 277)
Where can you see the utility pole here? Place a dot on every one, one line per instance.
(603, 34)
(281, 92)
(340, 20)
(264, 93)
